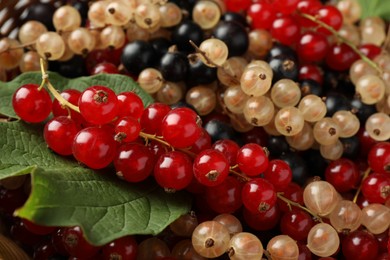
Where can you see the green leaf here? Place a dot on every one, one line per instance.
(66, 194)
(119, 83)
(379, 8)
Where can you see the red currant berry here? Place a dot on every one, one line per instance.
(359, 245)
(180, 127)
(286, 6)
(22, 235)
(252, 160)
(229, 148)
(134, 162)
(59, 134)
(376, 187)
(340, 57)
(279, 174)
(225, 197)
(104, 67)
(76, 245)
(32, 104)
(95, 147)
(262, 220)
(152, 116)
(56, 241)
(258, 195)
(370, 50)
(312, 72)
(99, 56)
(237, 5)
(203, 142)
(98, 105)
(210, 167)
(127, 129)
(261, 15)
(379, 157)
(72, 96)
(121, 248)
(37, 229)
(312, 46)
(296, 224)
(285, 29)
(310, 7)
(343, 174)
(173, 170)
(294, 193)
(330, 15)
(10, 200)
(44, 251)
(130, 104)
(156, 148)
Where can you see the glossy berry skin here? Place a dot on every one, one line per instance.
(370, 50)
(379, 157)
(180, 127)
(307, 7)
(258, 195)
(261, 15)
(203, 142)
(340, 57)
(229, 148)
(279, 174)
(251, 159)
(187, 30)
(72, 96)
(98, 105)
(343, 174)
(174, 66)
(296, 224)
(76, 245)
(312, 47)
(173, 170)
(130, 104)
(286, 6)
(104, 67)
(134, 162)
(127, 129)
(310, 72)
(210, 167)
(37, 229)
(376, 187)
(285, 29)
(359, 245)
(152, 116)
(234, 36)
(293, 192)
(94, 147)
(59, 134)
(137, 56)
(225, 197)
(237, 5)
(331, 16)
(30, 104)
(122, 248)
(262, 220)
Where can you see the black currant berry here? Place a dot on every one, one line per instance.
(277, 145)
(137, 56)
(174, 66)
(161, 46)
(335, 102)
(234, 17)
(199, 73)
(284, 67)
(309, 86)
(282, 50)
(219, 130)
(362, 111)
(184, 32)
(41, 12)
(297, 165)
(73, 68)
(234, 36)
(351, 147)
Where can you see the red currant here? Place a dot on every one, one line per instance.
(279, 174)
(312, 46)
(237, 5)
(104, 67)
(121, 248)
(340, 57)
(252, 160)
(134, 162)
(37, 229)
(59, 134)
(286, 6)
(210, 167)
(294, 193)
(261, 15)
(173, 170)
(359, 245)
(285, 29)
(203, 142)
(152, 116)
(11, 199)
(98, 105)
(130, 104)
(308, 7)
(127, 129)
(330, 15)
(370, 50)
(76, 245)
(180, 127)
(379, 157)
(312, 72)
(376, 187)
(72, 96)
(225, 197)
(258, 195)
(95, 147)
(229, 148)
(296, 224)
(262, 220)
(32, 104)
(343, 174)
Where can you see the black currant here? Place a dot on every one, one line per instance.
(284, 67)
(234, 36)
(184, 32)
(174, 66)
(335, 102)
(199, 73)
(277, 145)
(234, 17)
(137, 56)
(309, 86)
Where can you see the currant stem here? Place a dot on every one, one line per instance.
(293, 203)
(343, 40)
(155, 138)
(18, 47)
(53, 91)
(238, 174)
(366, 173)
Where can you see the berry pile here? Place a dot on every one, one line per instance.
(273, 114)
